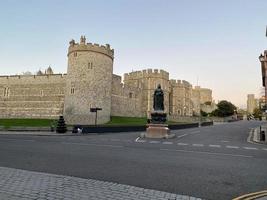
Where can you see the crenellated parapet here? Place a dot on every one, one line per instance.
(45, 78)
(83, 46)
(147, 73)
(180, 83)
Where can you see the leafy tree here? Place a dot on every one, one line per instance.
(224, 109)
(203, 113)
(257, 113)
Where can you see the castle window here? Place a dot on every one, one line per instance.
(41, 93)
(90, 65)
(131, 95)
(6, 92)
(72, 90)
(75, 54)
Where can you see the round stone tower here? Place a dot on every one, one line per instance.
(88, 82)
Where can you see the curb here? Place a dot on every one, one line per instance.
(252, 138)
(252, 196)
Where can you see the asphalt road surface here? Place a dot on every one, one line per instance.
(214, 162)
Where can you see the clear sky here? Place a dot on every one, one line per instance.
(213, 41)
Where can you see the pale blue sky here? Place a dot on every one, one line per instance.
(217, 41)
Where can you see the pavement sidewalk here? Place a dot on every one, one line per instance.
(16, 184)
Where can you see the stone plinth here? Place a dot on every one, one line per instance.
(157, 131)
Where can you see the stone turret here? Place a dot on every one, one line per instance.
(88, 82)
(49, 71)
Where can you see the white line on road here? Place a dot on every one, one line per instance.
(215, 145)
(250, 148)
(154, 142)
(182, 135)
(141, 141)
(232, 147)
(88, 144)
(265, 149)
(167, 142)
(224, 141)
(195, 132)
(198, 145)
(182, 144)
(209, 153)
(137, 139)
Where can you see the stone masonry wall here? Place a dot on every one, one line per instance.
(125, 100)
(147, 80)
(35, 96)
(88, 83)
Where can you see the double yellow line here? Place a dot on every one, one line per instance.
(252, 196)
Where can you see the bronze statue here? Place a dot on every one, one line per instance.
(158, 103)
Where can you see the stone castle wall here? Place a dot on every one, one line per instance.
(32, 96)
(88, 82)
(147, 80)
(125, 100)
(181, 95)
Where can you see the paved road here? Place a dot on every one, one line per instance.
(210, 162)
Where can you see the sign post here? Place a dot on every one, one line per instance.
(95, 110)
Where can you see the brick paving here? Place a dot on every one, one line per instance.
(16, 184)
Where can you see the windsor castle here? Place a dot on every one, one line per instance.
(90, 82)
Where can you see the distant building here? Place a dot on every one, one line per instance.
(263, 60)
(252, 103)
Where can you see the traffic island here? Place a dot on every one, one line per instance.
(253, 196)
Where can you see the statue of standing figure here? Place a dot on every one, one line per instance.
(158, 102)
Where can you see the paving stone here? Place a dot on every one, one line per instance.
(18, 184)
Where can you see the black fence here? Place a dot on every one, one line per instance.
(116, 129)
(206, 123)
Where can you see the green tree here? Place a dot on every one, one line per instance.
(257, 113)
(203, 113)
(224, 109)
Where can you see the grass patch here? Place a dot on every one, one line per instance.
(115, 120)
(126, 121)
(7, 123)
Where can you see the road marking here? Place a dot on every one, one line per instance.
(215, 145)
(232, 147)
(137, 139)
(154, 142)
(250, 148)
(198, 145)
(224, 141)
(182, 144)
(98, 145)
(209, 153)
(195, 132)
(141, 141)
(167, 142)
(264, 149)
(182, 135)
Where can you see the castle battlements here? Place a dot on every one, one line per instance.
(32, 78)
(83, 46)
(180, 83)
(147, 73)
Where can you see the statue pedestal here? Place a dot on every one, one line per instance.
(158, 131)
